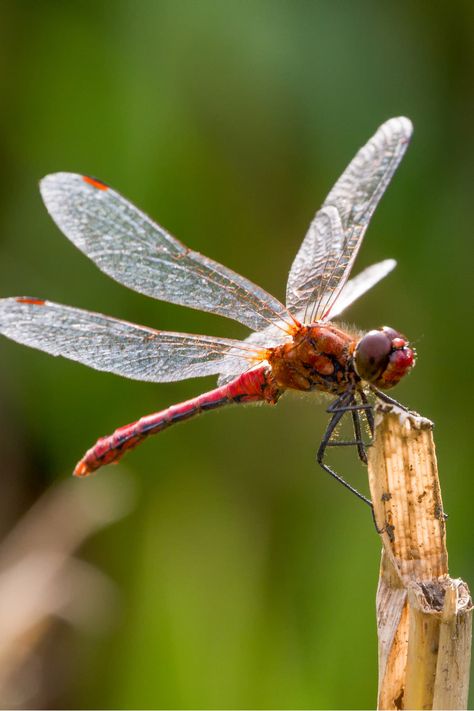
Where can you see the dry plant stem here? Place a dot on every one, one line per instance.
(424, 617)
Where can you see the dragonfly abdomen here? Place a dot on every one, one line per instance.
(252, 386)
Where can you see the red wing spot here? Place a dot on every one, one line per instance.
(30, 300)
(95, 183)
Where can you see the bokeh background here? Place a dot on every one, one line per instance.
(241, 576)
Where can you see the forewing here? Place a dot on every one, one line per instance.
(323, 263)
(357, 286)
(117, 346)
(135, 251)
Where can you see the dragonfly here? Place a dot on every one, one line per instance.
(292, 346)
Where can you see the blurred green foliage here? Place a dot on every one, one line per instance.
(247, 578)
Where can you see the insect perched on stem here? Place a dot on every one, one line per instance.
(292, 347)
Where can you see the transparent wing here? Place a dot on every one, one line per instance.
(135, 251)
(262, 340)
(318, 255)
(117, 346)
(355, 287)
(323, 263)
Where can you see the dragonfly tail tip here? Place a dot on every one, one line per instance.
(81, 470)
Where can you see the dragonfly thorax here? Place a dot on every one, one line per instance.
(319, 357)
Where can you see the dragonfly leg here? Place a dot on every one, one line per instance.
(386, 398)
(369, 413)
(338, 409)
(347, 403)
(356, 409)
(361, 446)
(340, 403)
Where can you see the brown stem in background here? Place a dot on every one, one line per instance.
(424, 617)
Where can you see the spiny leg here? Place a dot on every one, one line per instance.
(338, 409)
(369, 413)
(366, 409)
(347, 403)
(356, 409)
(386, 398)
(361, 446)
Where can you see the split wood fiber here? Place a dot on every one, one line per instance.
(424, 617)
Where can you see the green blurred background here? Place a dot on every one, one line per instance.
(246, 578)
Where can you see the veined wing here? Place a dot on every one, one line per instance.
(135, 251)
(323, 263)
(355, 287)
(120, 347)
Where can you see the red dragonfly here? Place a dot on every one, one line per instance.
(292, 347)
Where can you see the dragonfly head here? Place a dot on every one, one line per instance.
(383, 357)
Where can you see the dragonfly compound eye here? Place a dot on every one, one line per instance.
(383, 357)
(372, 354)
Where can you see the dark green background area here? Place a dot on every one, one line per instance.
(246, 577)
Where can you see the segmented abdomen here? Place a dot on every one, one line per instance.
(252, 386)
